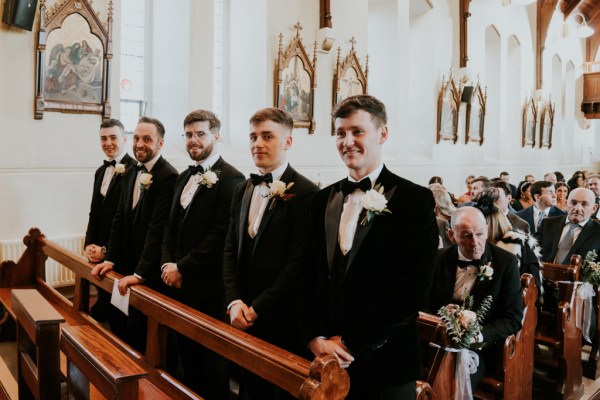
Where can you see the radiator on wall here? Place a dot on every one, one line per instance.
(56, 274)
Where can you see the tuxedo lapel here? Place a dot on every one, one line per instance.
(177, 196)
(449, 278)
(478, 291)
(99, 179)
(333, 214)
(556, 233)
(245, 209)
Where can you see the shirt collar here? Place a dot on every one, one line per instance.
(372, 176)
(581, 224)
(150, 164)
(537, 210)
(278, 172)
(118, 157)
(209, 162)
(461, 257)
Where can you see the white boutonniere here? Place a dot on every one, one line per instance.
(374, 203)
(486, 272)
(209, 178)
(145, 181)
(119, 169)
(278, 192)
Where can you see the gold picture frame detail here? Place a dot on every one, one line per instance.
(475, 119)
(448, 109)
(547, 124)
(349, 78)
(74, 76)
(295, 81)
(529, 120)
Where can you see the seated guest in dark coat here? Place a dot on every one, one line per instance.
(544, 205)
(443, 211)
(457, 274)
(504, 204)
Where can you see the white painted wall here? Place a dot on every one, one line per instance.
(46, 167)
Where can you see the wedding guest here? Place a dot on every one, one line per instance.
(105, 198)
(503, 202)
(559, 176)
(529, 178)
(192, 249)
(550, 177)
(544, 205)
(265, 241)
(562, 191)
(458, 275)
(524, 198)
(576, 181)
(369, 262)
(467, 195)
(593, 183)
(443, 211)
(505, 176)
(134, 246)
(478, 185)
(436, 179)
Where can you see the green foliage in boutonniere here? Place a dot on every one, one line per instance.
(278, 191)
(462, 324)
(209, 177)
(486, 272)
(145, 181)
(374, 203)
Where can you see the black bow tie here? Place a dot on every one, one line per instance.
(349, 187)
(110, 163)
(141, 167)
(473, 263)
(196, 169)
(258, 179)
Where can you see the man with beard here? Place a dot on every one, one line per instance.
(192, 250)
(134, 246)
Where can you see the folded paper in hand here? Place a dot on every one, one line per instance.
(121, 302)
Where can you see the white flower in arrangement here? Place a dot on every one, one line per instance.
(145, 181)
(278, 188)
(119, 169)
(209, 178)
(374, 203)
(466, 317)
(486, 272)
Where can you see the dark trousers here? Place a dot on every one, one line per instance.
(363, 390)
(131, 329)
(253, 387)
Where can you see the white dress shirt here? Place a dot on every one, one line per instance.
(465, 279)
(109, 173)
(260, 199)
(136, 186)
(192, 184)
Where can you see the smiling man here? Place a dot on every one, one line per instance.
(134, 246)
(264, 245)
(369, 262)
(105, 198)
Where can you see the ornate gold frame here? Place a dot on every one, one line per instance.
(454, 91)
(548, 110)
(529, 105)
(53, 19)
(306, 99)
(479, 95)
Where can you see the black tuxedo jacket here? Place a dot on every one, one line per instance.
(527, 215)
(264, 272)
(549, 238)
(103, 208)
(506, 313)
(195, 237)
(388, 271)
(136, 235)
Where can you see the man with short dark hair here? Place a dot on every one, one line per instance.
(105, 199)
(503, 203)
(134, 246)
(264, 246)
(593, 183)
(192, 249)
(544, 205)
(505, 176)
(369, 262)
(478, 186)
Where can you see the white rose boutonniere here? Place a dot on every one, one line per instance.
(145, 181)
(278, 192)
(374, 203)
(209, 178)
(486, 272)
(119, 169)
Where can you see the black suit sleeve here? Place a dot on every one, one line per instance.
(90, 232)
(231, 279)
(114, 248)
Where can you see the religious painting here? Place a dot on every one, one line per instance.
(349, 78)
(448, 107)
(295, 81)
(73, 59)
(530, 112)
(476, 116)
(546, 124)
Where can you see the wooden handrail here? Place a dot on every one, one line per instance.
(305, 380)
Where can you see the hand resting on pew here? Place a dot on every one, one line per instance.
(171, 275)
(241, 316)
(334, 346)
(94, 253)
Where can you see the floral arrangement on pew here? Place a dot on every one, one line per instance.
(463, 326)
(590, 276)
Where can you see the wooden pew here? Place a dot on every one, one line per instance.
(38, 329)
(512, 378)
(321, 379)
(591, 367)
(558, 330)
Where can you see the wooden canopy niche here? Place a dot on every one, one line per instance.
(448, 108)
(530, 112)
(73, 75)
(295, 81)
(475, 123)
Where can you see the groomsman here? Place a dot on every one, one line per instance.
(265, 242)
(369, 262)
(134, 246)
(192, 250)
(105, 198)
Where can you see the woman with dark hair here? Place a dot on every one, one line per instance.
(575, 182)
(500, 232)
(562, 192)
(524, 198)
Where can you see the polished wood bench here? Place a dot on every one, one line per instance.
(557, 329)
(323, 379)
